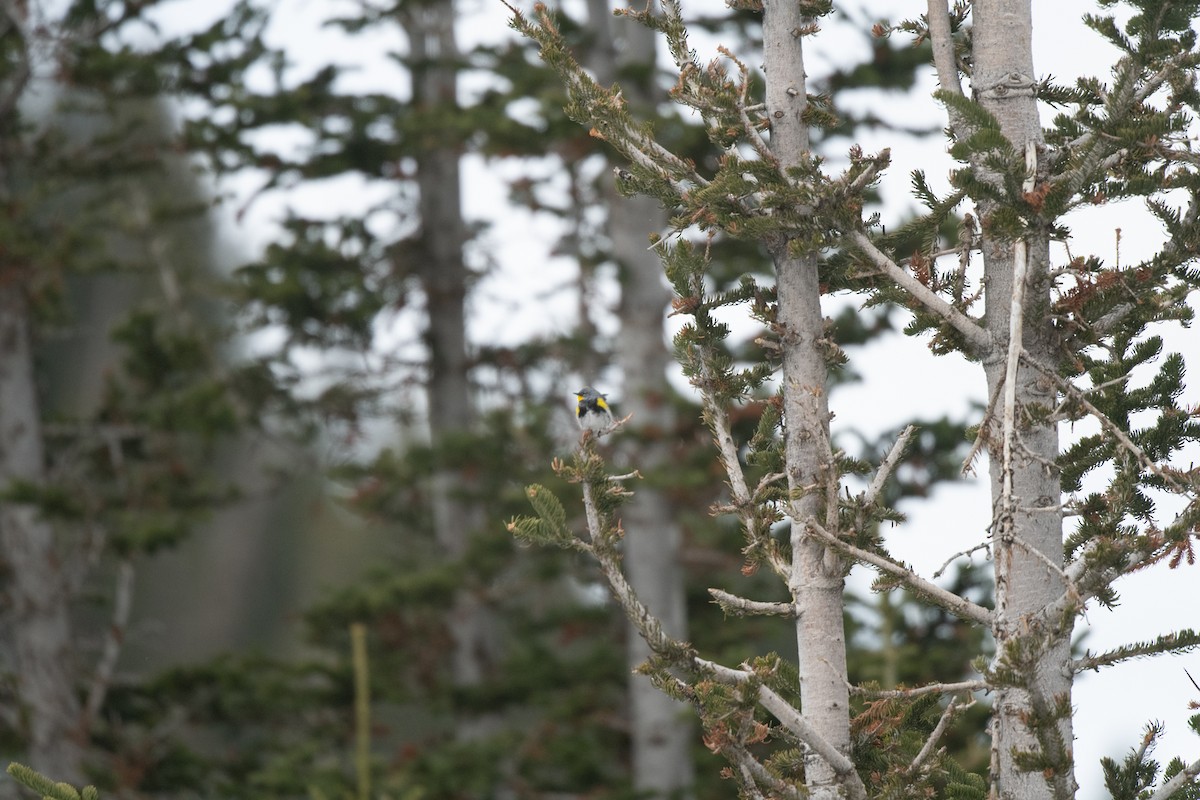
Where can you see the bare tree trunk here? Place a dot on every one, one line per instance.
(36, 589)
(444, 277)
(661, 729)
(817, 576)
(1028, 525)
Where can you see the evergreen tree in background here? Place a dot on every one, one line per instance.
(493, 670)
(117, 392)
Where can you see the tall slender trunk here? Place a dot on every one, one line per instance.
(661, 730)
(34, 585)
(817, 578)
(1029, 550)
(444, 277)
(36, 589)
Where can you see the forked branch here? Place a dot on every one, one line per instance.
(651, 630)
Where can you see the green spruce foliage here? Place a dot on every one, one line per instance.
(1117, 144)
(48, 788)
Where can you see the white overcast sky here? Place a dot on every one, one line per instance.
(902, 380)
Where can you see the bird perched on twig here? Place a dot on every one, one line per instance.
(592, 411)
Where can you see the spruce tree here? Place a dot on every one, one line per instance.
(115, 393)
(1056, 343)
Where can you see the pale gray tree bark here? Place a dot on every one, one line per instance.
(444, 277)
(817, 574)
(37, 590)
(38, 616)
(661, 731)
(56, 654)
(1028, 525)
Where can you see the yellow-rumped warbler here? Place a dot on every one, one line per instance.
(592, 411)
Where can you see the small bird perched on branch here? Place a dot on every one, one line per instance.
(592, 411)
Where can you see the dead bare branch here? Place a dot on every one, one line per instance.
(888, 465)
(958, 606)
(935, 736)
(105, 667)
(732, 604)
(976, 336)
(918, 691)
(754, 773)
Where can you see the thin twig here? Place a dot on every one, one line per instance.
(633, 143)
(889, 464)
(727, 448)
(767, 480)
(1163, 644)
(868, 175)
(918, 691)
(934, 736)
(985, 545)
(648, 626)
(743, 501)
(106, 666)
(681, 52)
(1083, 584)
(1040, 556)
(1050, 464)
(968, 465)
(752, 133)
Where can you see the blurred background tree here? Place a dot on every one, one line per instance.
(126, 417)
